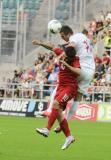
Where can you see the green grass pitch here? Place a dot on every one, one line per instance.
(19, 141)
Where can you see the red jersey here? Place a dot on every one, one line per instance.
(65, 75)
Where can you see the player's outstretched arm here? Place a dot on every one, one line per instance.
(48, 46)
(73, 69)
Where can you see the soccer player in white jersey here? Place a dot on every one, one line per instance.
(83, 47)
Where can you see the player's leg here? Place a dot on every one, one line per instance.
(84, 80)
(66, 130)
(65, 94)
(74, 106)
(70, 111)
(63, 121)
(53, 116)
(83, 83)
(48, 111)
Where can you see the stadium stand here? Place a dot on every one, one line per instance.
(16, 23)
(10, 9)
(62, 10)
(39, 79)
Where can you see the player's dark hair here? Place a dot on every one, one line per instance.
(66, 30)
(85, 31)
(70, 52)
(63, 46)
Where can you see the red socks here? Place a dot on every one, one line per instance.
(53, 116)
(64, 125)
(65, 128)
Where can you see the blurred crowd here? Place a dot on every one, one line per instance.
(41, 76)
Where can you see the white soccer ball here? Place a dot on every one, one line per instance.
(54, 26)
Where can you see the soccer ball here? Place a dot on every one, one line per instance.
(54, 26)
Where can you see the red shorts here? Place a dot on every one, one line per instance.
(64, 94)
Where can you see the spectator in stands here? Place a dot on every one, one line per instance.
(52, 79)
(15, 82)
(93, 25)
(108, 16)
(99, 27)
(106, 60)
(108, 76)
(9, 86)
(107, 41)
(102, 16)
(102, 81)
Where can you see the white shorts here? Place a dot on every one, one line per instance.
(85, 79)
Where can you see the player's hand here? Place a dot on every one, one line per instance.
(36, 42)
(63, 62)
(72, 44)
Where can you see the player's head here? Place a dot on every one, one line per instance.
(85, 31)
(66, 32)
(70, 53)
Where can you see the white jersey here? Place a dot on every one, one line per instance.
(84, 50)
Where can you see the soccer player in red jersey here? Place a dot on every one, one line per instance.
(66, 90)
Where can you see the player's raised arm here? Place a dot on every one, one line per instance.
(47, 45)
(73, 69)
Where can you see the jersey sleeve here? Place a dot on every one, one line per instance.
(58, 51)
(75, 38)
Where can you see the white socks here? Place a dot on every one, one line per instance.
(72, 109)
